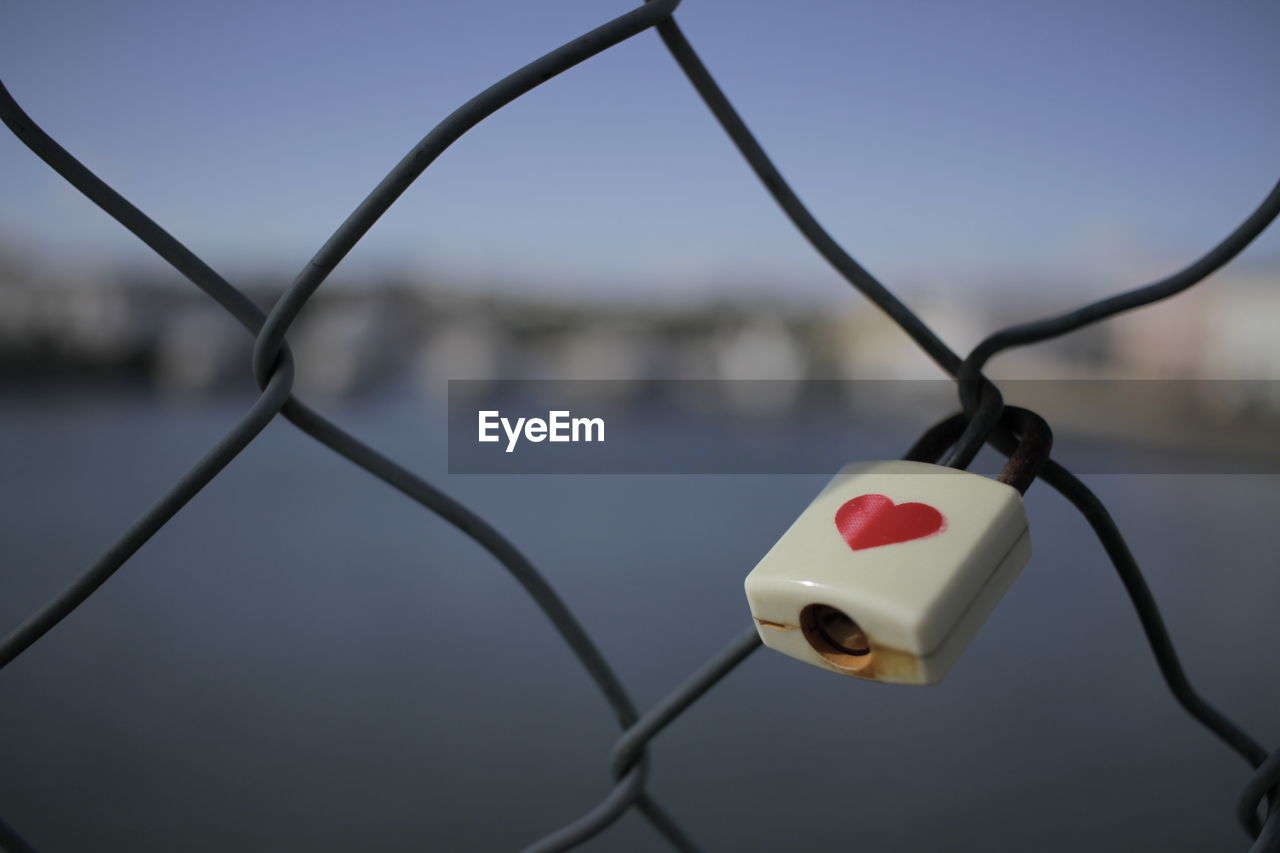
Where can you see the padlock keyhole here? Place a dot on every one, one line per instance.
(835, 636)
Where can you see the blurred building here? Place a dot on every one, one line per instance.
(354, 336)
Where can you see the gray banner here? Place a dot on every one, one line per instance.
(816, 426)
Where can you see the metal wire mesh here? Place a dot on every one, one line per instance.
(983, 420)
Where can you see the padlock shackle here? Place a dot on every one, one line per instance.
(1035, 440)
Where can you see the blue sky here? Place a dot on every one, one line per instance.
(940, 142)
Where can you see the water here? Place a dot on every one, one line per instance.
(305, 660)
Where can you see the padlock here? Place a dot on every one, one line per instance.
(894, 567)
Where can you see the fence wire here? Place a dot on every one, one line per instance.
(983, 415)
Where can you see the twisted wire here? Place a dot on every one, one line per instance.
(983, 420)
(1261, 786)
(629, 749)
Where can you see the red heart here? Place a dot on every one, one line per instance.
(869, 521)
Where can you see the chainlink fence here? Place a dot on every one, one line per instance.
(984, 419)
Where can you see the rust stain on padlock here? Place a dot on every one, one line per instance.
(885, 664)
(845, 648)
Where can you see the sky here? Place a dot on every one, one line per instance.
(944, 144)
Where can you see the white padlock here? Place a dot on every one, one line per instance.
(891, 570)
